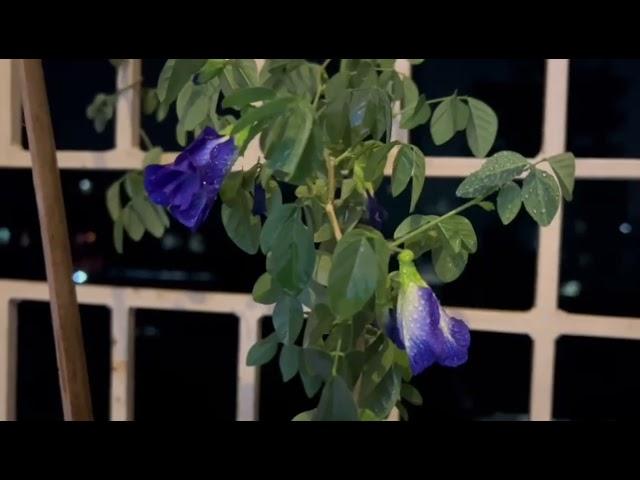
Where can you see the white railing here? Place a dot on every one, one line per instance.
(543, 323)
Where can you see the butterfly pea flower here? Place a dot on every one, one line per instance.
(421, 326)
(189, 186)
(259, 200)
(376, 215)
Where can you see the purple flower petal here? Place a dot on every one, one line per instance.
(376, 214)
(159, 181)
(190, 185)
(259, 200)
(195, 213)
(393, 331)
(430, 335)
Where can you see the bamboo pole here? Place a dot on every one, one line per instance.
(72, 368)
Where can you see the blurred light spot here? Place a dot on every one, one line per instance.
(625, 228)
(25, 241)
(572, 289)
(150, 331)
(196, 244)
(5, 236)
(80, 276)
(85, 185)
(171, 241)
(443, 206)
(581, 227)
(585, 259)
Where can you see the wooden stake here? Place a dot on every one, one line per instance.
(72, 368)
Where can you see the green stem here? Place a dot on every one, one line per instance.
(128, 87)
(320, 85)
(337, 354)
(331, 191)
(145, 139)
(427, 226)
(441, 99)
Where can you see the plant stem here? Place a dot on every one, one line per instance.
(145, 139)
(427, 226)
(337, 354)
(441, 99)
(128, 87)
(331, 191)
(320, 87)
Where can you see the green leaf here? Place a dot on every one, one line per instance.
(427, 241)
(541, 196)
(318, 361)
(113, 200)
(416, 61)
(193, 105)
(410, 94)
(247, 96)
(269, 110)
(418, 175)
(149, 100)
(417, 115)
(149, 216)
(509, 202)
(443, 121)
(118, 234)
(292, 258)
(101, 110)
(116, 62)
(459, 233)
(289, 360)
(174, 75)
(132, 223)
(152, 157)
(461, 115)
(403, 412)
(285, 153)
(322, 268)
(181, 134)
(310, 381)
(564, 166)
(482, 127)
(369, 113)
(266, 291)
(134, 184)
(448, 264)
(164, 218)
(262, 351)
(411, 394)
(402, 170)
(245, 71)
(496, 171)
(280, 219)
(304, 416)
(487, 206)
(230, 187)
(288, 319)
(318, 324)
(336, 403)
(353, 276)
(385, 395)
(240, 224)
(212, 69)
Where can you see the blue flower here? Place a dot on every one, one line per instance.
(259, 200)
(376, 215)
(189, 186)
(420, 325)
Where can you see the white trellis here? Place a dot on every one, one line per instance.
(543, 323)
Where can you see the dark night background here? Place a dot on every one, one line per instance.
(185, 362)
